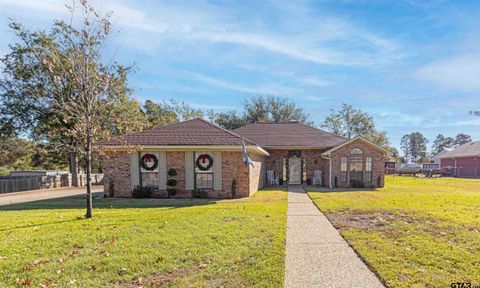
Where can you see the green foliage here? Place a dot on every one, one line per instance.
(262, 108)
(141, 192)
(234, 187)
(159, 114)
(199, 193)
(172, 172)
(230, 120)
(349, 122)
(171, 192)
(172, 182)
(379, 181)
(357, 184)
(414, 146)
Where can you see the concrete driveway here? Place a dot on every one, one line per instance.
(35, 195)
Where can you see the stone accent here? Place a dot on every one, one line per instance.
(116, 168)
(378, 163)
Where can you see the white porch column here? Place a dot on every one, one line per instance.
(217, 170)
(189, 181)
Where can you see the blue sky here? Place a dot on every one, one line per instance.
(414, 65)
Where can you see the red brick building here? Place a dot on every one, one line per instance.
(200, 155)
(463, 161)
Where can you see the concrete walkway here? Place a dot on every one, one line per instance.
(317, 256)
(43, 194)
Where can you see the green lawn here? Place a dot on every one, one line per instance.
(415, 232)
(149, 242)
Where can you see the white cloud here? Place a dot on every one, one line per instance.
(459, 73)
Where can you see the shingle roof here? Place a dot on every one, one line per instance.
(471, 149)
(192, 132)
(276, 135)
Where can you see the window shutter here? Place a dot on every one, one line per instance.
(162, 165)
(217, 170)
(189, 182)
(134, 170)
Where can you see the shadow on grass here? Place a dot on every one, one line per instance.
(338, 190)
(78, 202)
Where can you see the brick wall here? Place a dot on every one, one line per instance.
(116, 168)
(176, 160)
(466, 167)
(233, 167)
(312, 157)
(257, 173)
(378, 163)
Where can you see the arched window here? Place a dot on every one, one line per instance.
(356, 151)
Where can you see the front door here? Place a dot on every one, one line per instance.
(295, 170)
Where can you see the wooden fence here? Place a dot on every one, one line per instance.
(10, 184)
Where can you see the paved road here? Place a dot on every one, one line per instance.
(317, 256)
(35, 195)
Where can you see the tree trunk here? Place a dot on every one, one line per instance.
(89, 177)
(74, 168)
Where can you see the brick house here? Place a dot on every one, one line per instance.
(207, 157)
(463, 161)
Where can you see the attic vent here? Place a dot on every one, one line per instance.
(293, 121)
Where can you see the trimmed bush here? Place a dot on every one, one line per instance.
(234, 187)
(172, 182)
(142, 192)
(199, 193)
(172, 172)
(171, 192)
(357, 184)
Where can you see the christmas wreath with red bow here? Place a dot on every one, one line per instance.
(204, 162)
(149, 162)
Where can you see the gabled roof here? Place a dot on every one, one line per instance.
(353, 140)
(280, 135)
(192, 132)
(471, 149)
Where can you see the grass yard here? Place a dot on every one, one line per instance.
(415, 232)
(145, 242)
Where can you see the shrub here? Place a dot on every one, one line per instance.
(171, 192)
(111, 188)
(335, 182)
(172, 172)
(142, 192)
(234, 187)
(379, 181)
(357, 184)
(172, 182)
(199, 193)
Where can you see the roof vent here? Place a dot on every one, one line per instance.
(293, 121)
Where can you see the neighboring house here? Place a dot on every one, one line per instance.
(205, 156)
(463, 161)
(436, 157)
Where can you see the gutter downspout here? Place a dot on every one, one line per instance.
(329, 170)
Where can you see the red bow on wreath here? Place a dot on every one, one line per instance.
(203, 158)
(148, 158)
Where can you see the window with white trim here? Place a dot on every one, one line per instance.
(203, 170)
(343, 169)
(356, 168)
(368, 170)
(149, 170)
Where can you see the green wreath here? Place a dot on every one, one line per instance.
(203, 158)
(148, 157)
